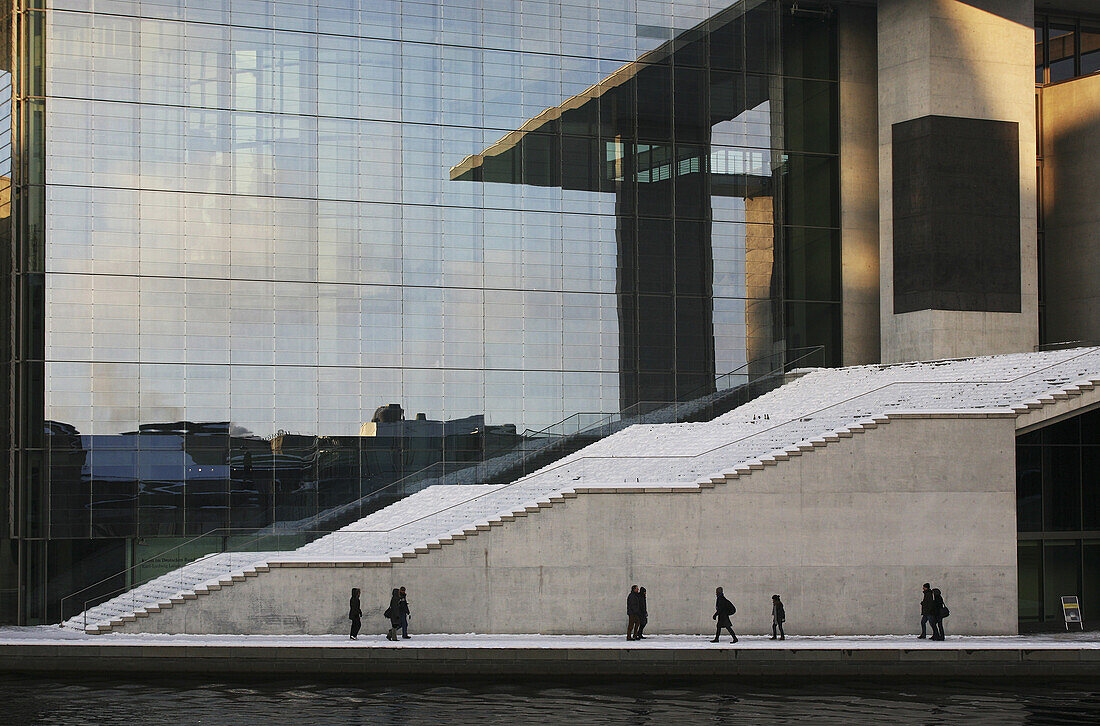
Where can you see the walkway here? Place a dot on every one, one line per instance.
(53, 650)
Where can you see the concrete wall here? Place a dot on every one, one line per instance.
(859, 235)
(846, 533)
(1071, 208)
(972, 59)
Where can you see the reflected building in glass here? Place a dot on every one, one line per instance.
(243, 231)
(272, 265)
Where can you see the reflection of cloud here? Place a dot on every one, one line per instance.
(238, 430)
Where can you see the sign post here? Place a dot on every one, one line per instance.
(1071, 610)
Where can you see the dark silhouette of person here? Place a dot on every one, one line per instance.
(355, 613)
(939, 608)
(643, 619)
(927, 609)
(723, 609)
(779, 616)
(393, 612)
(403, 611)
(633, 612)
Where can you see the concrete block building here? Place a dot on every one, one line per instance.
(274, 267)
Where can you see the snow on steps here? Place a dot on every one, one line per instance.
(202, 576)
(820, 407)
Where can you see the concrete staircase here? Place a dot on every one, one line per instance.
(201, 577)
(820, 407)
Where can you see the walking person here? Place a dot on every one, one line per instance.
(779, 615)
(939, 612)
(404, 612)
(927, 605)
(633, 612)
(355, 613)
(644, 617)
(393, 612)
(723, 609)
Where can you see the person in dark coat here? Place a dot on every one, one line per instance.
(927, 605)
(644, 617)
(633, 612)
(355, 613)
(779, 616)
(939, 608)
(393, 612)
(404, 614)
(723, 609)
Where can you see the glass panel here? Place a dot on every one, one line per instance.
(1062, 488)
(1090, 488)
(1090, 586)
(263, 229)
(1090, 49)
(1029, 488)
(1060, 50)
(1061, 575)
(1040, 50)
(1030, 580)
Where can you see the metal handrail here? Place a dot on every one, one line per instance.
(729, 443)
(61, 603)
(605, 420)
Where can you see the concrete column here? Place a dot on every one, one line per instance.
(760, 333)
(859, 232)
(1071, 208)
(948, 66)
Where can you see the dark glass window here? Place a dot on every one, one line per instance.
(1065, 48)
(1061, 574)
(1040, 51)
(1061, 44)
(1029, 488)
(1058, 490)
(1090, 49)
(1061, 488)
(1030, 582)
(1090, 586)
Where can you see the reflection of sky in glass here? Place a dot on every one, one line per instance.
(5, 125)
(250, 216)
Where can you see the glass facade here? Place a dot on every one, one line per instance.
(1058, 518)
(1065, 48)
(243, 230)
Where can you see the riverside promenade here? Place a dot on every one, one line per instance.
(51, 650)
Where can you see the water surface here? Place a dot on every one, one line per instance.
(27, 701)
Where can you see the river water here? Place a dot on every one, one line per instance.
(25, 701)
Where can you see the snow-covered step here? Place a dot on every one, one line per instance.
(814, 411)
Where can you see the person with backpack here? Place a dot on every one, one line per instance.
(393, 612)
(723, 609)
(779, 615)
(939, 612)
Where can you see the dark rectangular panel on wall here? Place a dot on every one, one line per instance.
(956, 190)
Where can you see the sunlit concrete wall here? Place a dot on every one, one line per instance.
(1071, 208)
(846, 534)
(972, 59)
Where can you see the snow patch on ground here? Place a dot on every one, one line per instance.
(53, 635)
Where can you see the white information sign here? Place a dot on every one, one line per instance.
(1071, 610)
